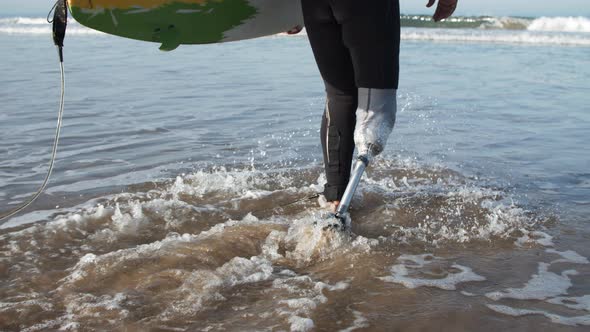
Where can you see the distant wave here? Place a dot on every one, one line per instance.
(562, 24)
(38, 26)
(555, 24)
(542, 31)
(496, 36)
(23, 21)
(466, 22)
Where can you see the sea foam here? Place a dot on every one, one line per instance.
(407, 273)
(561, 24)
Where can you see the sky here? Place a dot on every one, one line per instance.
(466, 7)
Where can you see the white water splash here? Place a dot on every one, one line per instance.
(568, 256)
(577, 303)
(414, 264)
(360, 322)
(564, 320)
(542, 285)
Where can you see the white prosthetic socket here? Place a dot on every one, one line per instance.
(375, 118)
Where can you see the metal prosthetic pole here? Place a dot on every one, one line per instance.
(355, 177)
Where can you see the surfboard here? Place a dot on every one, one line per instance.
(175, 22)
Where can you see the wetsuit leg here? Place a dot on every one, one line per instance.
(335, 65)
(371, 33)
(355, 44)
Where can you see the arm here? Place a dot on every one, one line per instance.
(444, 9)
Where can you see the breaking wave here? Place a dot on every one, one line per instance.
(560, 24)
(572, 31)
(555, 24)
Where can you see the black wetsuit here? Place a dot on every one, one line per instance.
(356, 45)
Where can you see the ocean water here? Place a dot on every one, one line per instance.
(181, 194)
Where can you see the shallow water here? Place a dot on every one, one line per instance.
(181, 197)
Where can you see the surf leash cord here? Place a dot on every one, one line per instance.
(60, 21)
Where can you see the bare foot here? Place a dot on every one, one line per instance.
(331, 206)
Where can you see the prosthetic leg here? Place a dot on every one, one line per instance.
(375, 118)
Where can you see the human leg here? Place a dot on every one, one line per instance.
(335, 65)
(371, 32)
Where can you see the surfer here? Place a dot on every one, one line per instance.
(356, 48)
